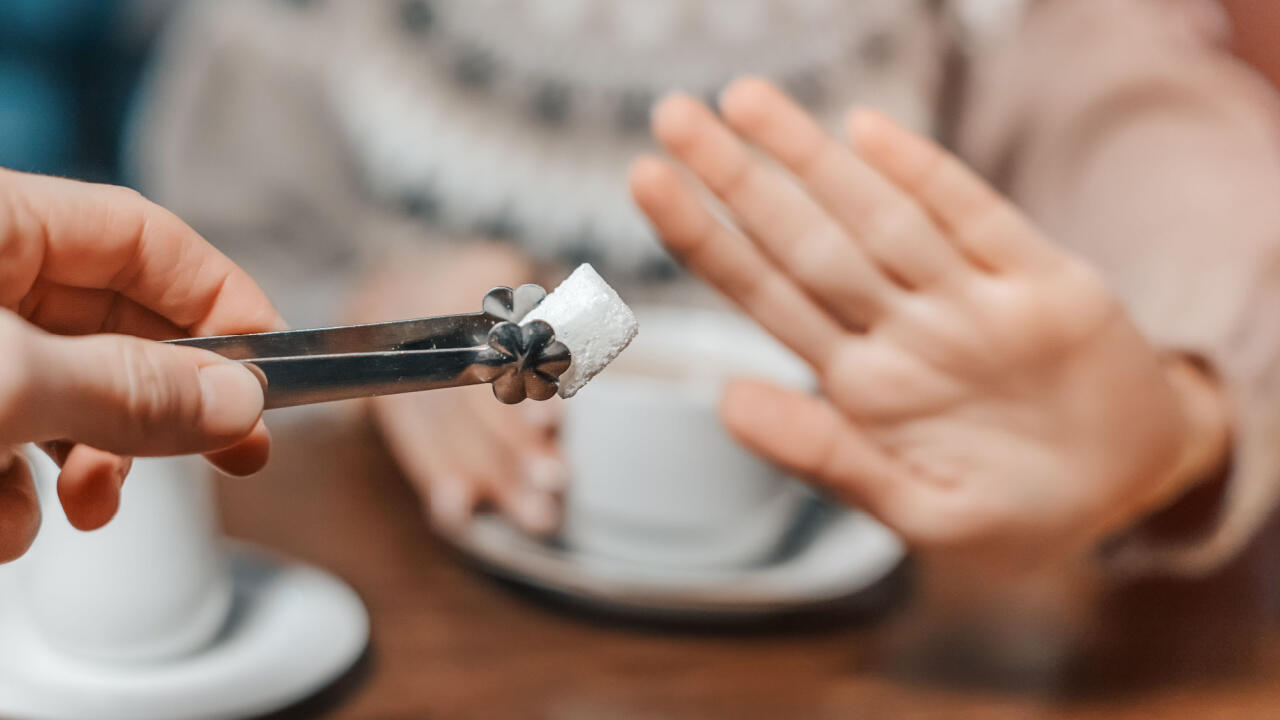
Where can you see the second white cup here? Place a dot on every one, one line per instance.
(657, 480)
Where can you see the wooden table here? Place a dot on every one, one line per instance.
(451, 643)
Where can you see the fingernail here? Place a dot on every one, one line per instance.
(537, 512)
(547, 474)
(450, 507)
(232, 399)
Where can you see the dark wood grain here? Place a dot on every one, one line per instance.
(451, 643)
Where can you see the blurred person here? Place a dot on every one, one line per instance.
(982, 389)
(102, 263)
(1029, 384)
(315, 139)
(436, 148)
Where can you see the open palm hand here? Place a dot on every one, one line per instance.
(980, 387)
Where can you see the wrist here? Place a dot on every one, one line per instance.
(1192, 491)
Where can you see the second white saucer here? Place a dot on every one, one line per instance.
(292, 631)
(835, 554)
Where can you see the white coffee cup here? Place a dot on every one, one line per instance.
(151, 585)
(657, 480)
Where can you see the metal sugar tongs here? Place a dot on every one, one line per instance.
(301, 367)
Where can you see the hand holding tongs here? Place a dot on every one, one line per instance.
(301, 367)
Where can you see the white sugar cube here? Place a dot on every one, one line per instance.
(588, 317)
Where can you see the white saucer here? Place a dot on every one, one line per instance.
(831, 554)
(293, 630)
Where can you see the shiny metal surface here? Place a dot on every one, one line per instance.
(302, 367)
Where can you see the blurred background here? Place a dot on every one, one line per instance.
(69, 73)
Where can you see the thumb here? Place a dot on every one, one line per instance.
(127, 395)
(806, 434)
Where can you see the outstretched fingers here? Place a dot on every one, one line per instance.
(885, 222)
(775, 212)
(731, 263)
(981, 223)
